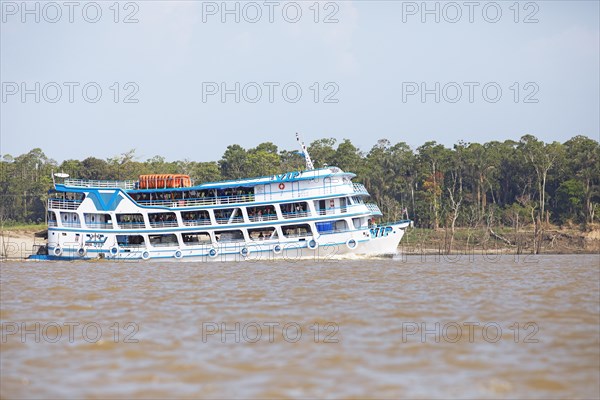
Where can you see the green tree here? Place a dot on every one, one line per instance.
(291, 161)
(233, 164)
(25, 180)
(570, 198)
(322, 152)
(206, 172)
(542, 157)
(347, 156)
(71, 167)
(95, 168)
(583, 162)
(433, 158)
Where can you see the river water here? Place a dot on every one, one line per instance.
(415, 327)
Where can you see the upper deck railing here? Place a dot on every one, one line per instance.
(200, 201)
(63, 204)
(127, 185)
(240, 199)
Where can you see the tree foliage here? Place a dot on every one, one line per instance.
(513, 183)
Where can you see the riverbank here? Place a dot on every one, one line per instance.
(20, 241)
(17, 242)
(554, 240)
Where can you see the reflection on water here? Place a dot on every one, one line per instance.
(348, 328)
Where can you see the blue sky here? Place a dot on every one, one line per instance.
(369, 63)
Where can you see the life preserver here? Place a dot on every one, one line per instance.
(81, 252)
(178, 254)
(114, 250)
(312, 244)
(212, 253)
(145, 255)
(351, 244)
(57, 251)
(281, 186)
(277, 249)
(244, 252)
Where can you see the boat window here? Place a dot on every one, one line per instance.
(332, 226)
(266, 233)
(327, 206)
(130, 240)
(234, 235)
(195, 218)
(130, 221)
(343, 206)
(70, 219)
(163, 240)
(51, 218)
(164, 219)
(196, 238)
(229, 216)
(320, 206)
(264, 213)
(69, 196)
(103, 221)
(299, 230)
(357, 222)
(294, 210)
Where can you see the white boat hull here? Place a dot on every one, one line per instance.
(379, 241)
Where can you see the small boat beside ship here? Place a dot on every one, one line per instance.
(315, 213)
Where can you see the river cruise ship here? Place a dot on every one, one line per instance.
(316, 213)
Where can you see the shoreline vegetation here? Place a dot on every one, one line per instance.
(523, 196)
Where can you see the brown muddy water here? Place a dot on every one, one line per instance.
(384, 328)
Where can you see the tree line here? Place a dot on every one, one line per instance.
(509, 183)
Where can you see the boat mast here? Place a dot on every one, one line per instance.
(309, 163)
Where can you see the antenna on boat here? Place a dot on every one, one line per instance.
(309, 163)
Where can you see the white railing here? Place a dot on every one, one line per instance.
(360, 188)
(264, 217)
(163, 224)
(297, 214)
(201, 201)
(196, 222)
(296, 235)
(64, 204)
(99, 225)
(127, 185)
(235, 199)
(225, 221)
(374, 208)
(131, 225)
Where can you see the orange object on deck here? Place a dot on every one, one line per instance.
(164, 181)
